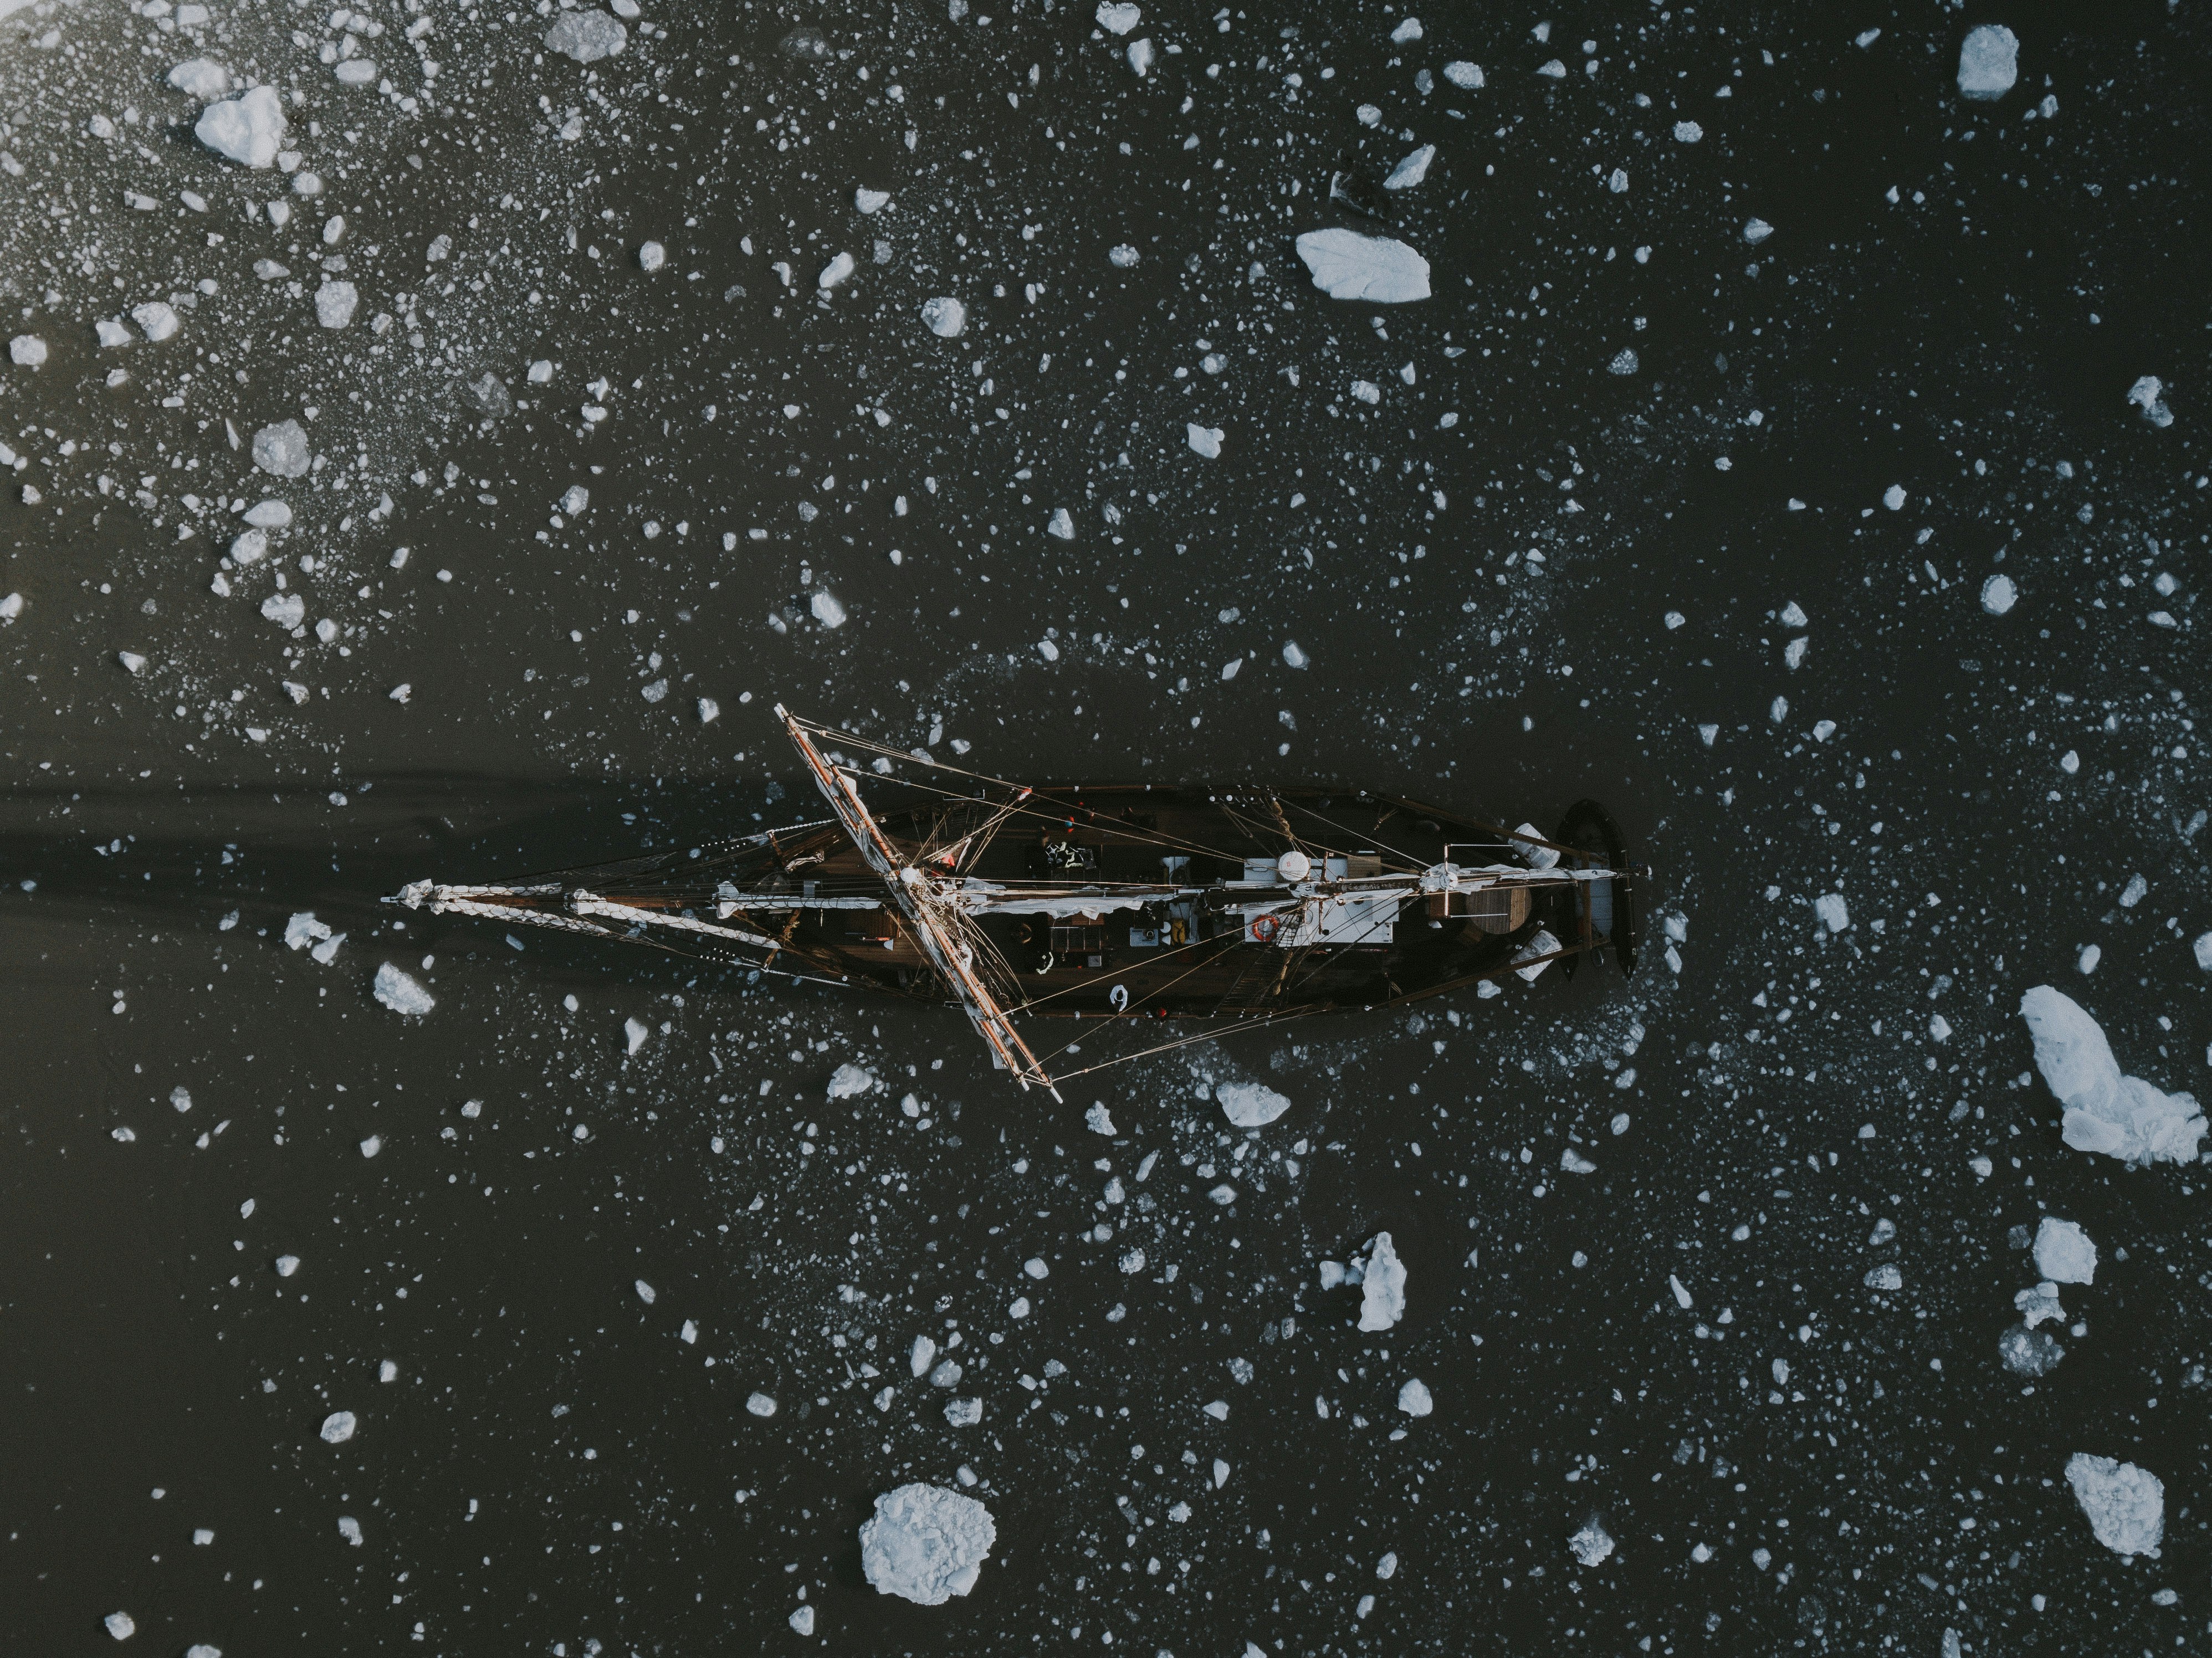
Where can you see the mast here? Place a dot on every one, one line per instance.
(918, 901)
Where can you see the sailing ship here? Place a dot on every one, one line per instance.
(1229, 904)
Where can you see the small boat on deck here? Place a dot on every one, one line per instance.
(1232, 904)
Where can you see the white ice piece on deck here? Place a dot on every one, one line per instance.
(2126, 1505)
(1250, 1104)
(400, 992)
(1411, 171)
(248, 128)
(1591, 1545)
(1382, 1287)
(926, 1544)
(2120, 1115)
(586, 36)
(1988, 62)
(945, 316)
(847, 1080)
(1347, 265)
(2064, 1254)
(334, 303)
(281, 449)
(157, 319)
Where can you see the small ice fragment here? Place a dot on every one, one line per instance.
(646, 1292)
(1681, 1294)
(1624, 363)
(287, 1264)
(2031, 1352)
(1999, 594)
(1204, 440)
(1062, 525)
(157, 319)
(1893, 497)
(2039, 1305)
(925, 1543)
(1122, 255)
(802, 1621)
(334, 303)
(1331, 1274)
(848, 1080)
(1383, 1291)
(1035, 1266)
(400, 992)
(827, 609)
(112, 333)
(202, 78)
(350, 1528)
(281, 449)
(760, 1405)
(923, 1355)
(1224, 1194)
(387, 1371)
(269, 515)
(356, 72)
(120, 1625)
(1250, 1104)
(1220, 1474)
(303, 929)
(1293, 655)
(1140, 55)
(651, 255)
(1132, 1262)
(249, 546)
(1988, 62)
(835, 272)
(1756, 231)
(1833, 912)
(2202, 947)
(1119, 19)
(1884, 1277)
(586, 36)
(1413, 1397)
(1411, 171)
(575, 499)
(2144, 393)
(1463, 74)
(1408, 30)
(1574, 1163)
(1591, 1545)
(634, 1033)
(871, 201)
(2120, 1115)
(1099, 1121)
(2064, 1254)
(963, 1412)
(371, 1145)
(1347, 265)
(945, 316)
(2126, 1505)
(26, 350)
(1688, 132)
(338, 1427)
(710, 710)
(246, 129)
(2086, 962)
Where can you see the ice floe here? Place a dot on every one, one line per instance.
(1989, 61)
(248, 128)
(1347, 265)
(2120, 1115)
(926, 1544)
(2126, 1505)
(1250, 1104)
(2065, 1252)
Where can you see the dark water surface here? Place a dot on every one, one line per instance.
(1526, 570)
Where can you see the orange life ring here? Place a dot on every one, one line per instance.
(1264, 928)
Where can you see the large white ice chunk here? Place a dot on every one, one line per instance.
(1250, 1105)
(1834, 913)
(2065, 1252)
(1414, 1400)
(850, 1079)
(1591, 1545)
(586, 36)
(2126, 1505)
(945, 316)
(401, 993)
(1117, 17)
(287, 610)
(202, 78)
(926, 1544)
(281, 449)
(1989, 61)
(1382, 1286)
(248, 128)
(1204, 441)
(27, 349)
(338, 1427)
(1411, 171)
(157, 319)
(2122, 1116)
(1347, 266)
(334, 303)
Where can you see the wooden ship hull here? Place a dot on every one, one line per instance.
(1125, 902)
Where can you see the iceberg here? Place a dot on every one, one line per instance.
(2119, 1115)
